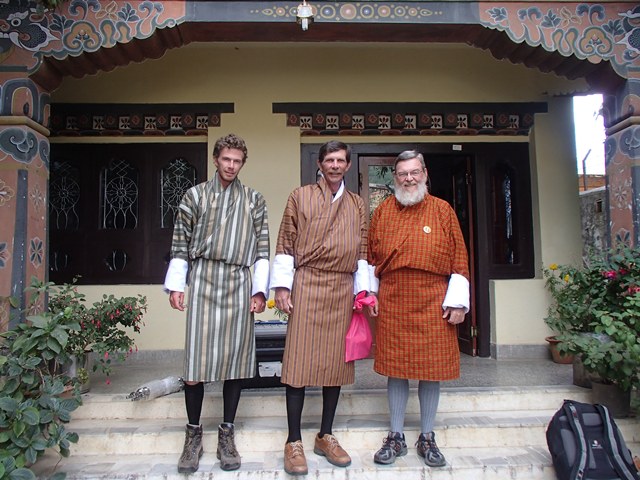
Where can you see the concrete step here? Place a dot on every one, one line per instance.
(270, 402)
(484, 429)
(515, 463)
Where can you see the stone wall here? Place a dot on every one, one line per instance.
(593, 211)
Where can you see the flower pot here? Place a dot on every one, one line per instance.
(77, 364)
(618, 401)
(580, 375)
(556, 356)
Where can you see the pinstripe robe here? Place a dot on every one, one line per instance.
(221, 233)
(326, 240)
(414, 250)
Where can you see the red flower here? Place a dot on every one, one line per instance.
(611, 274)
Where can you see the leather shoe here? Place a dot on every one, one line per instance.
(328, 446)
(295, 463)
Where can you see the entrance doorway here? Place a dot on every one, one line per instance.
(489, 187)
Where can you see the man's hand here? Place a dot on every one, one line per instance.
(176, 300)
(454, 315)
(373, 309)
(282, 298)
(258, 303)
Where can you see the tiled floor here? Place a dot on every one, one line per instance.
(475, 372)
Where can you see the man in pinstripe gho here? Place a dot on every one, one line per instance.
(220, 231)
(320, 263)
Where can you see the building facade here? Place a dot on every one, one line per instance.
(111, 108)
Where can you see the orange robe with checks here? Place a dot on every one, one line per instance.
(414, 250)
(326, 239)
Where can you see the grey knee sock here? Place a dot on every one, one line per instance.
(398, 394)
(429, 395)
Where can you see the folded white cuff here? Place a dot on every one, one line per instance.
(457, 293)
(176, 278)
(361, 278)
(261, 277)
(374, 282)
(282, 272)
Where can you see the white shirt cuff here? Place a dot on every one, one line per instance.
(261, 277)
(457, 293)
(361, 277)
(374, 282)
(282, 272)
(176, 277)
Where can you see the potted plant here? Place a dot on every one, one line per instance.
(609, 305)
(104, 328)
(570, 308)
(36, 396)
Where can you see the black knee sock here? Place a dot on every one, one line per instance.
(231, 391)
(193, 397)
(330, 396)
(295, 402)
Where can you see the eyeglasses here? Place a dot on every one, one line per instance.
(413, 173)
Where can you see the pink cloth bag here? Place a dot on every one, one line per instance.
(359, 338)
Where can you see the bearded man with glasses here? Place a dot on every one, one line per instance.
(421, 268)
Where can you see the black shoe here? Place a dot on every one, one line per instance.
(393, 446)
(428, 450)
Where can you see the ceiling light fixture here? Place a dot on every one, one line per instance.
(304, 15)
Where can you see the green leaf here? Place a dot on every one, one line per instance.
(31, 416)
(31, 455)
(22, 474)
(8, 404)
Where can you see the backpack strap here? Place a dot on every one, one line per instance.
(613, 446)
(574, 420)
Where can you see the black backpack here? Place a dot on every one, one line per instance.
(585, 443)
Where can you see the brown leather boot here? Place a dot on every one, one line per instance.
(295, 463)
(227, 453)
(192, 450)
(328, 446)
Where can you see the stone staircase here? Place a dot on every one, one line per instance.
(485, 433)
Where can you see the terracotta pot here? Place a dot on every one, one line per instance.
(556, 356)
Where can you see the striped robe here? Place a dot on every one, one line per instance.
(326, 240)
(415, 250)
(221, 232)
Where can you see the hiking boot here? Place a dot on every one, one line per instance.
(393, 446)
(328, 446)
(428, 450)
(295, 463)
(192, 450)
(227, 453)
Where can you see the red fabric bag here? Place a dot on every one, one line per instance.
(359, 338)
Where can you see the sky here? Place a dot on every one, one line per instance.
(589, 133)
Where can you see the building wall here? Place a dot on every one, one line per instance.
(253, 76)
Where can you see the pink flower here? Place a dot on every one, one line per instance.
(108, 382)
(106, 354)
(611, 274)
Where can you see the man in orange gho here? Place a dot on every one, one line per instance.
(417, 250)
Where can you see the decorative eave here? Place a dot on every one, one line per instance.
(127, 119)
(411, 118)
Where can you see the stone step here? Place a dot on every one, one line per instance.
(268, 433)
(271, 402)
(468, 463)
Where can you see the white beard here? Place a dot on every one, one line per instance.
(410, 198)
